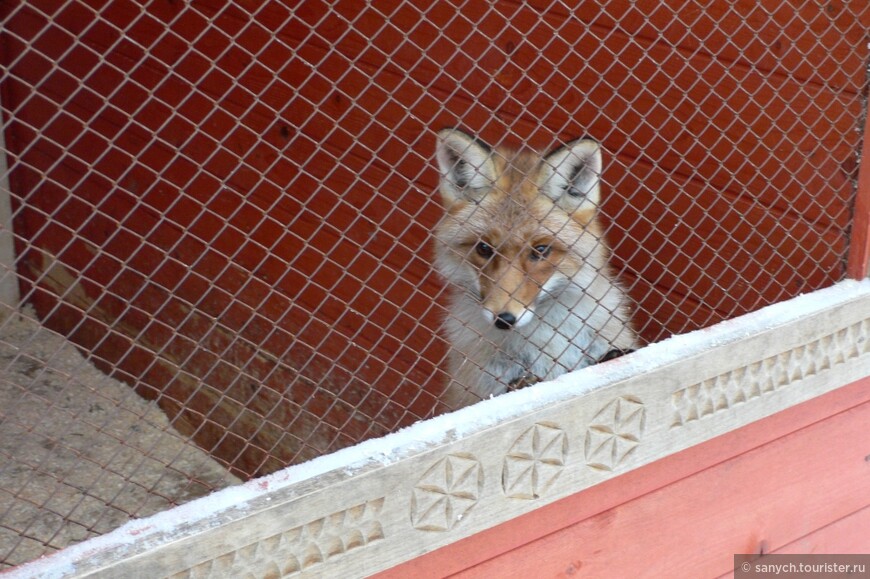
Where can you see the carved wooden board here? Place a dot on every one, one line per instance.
(771, 499)
(363, 518)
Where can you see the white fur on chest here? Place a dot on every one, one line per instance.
(555, 341)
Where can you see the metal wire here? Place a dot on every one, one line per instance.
(229, 208)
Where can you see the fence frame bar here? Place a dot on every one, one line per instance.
(859, 247)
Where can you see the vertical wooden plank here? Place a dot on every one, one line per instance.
(8, 280)
(859, 247)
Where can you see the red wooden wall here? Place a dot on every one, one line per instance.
(795, 482)
(229, 204)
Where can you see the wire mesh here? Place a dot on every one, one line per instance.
(228, 208)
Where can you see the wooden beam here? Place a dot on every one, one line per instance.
(501, 541)
(762, 500)
(859, 249)
(461, 474)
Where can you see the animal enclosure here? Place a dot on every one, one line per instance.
(228, 207)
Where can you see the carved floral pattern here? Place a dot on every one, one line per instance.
(534, 461)
(446, 492)
(614, 433)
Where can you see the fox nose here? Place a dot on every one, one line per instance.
(505, 321)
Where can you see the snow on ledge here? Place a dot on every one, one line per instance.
(210, 511)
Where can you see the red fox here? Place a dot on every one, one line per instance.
(521, 246)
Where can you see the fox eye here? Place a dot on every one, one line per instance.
(484, 249)
(540, 252)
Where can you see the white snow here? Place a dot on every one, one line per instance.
(202, 513)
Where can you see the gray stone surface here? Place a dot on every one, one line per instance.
(81, 453)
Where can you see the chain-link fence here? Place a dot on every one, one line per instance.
(229, 208)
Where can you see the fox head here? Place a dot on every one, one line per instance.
(519, 228)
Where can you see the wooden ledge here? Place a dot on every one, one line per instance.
(385, 502)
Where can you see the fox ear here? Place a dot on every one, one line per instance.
(571, 175)
(466, 165)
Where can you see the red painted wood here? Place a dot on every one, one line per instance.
(769, 496)
(847, 536)
(246, 190)
(859, 245)
(711, 463)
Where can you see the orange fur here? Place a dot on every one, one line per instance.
(522, 248)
